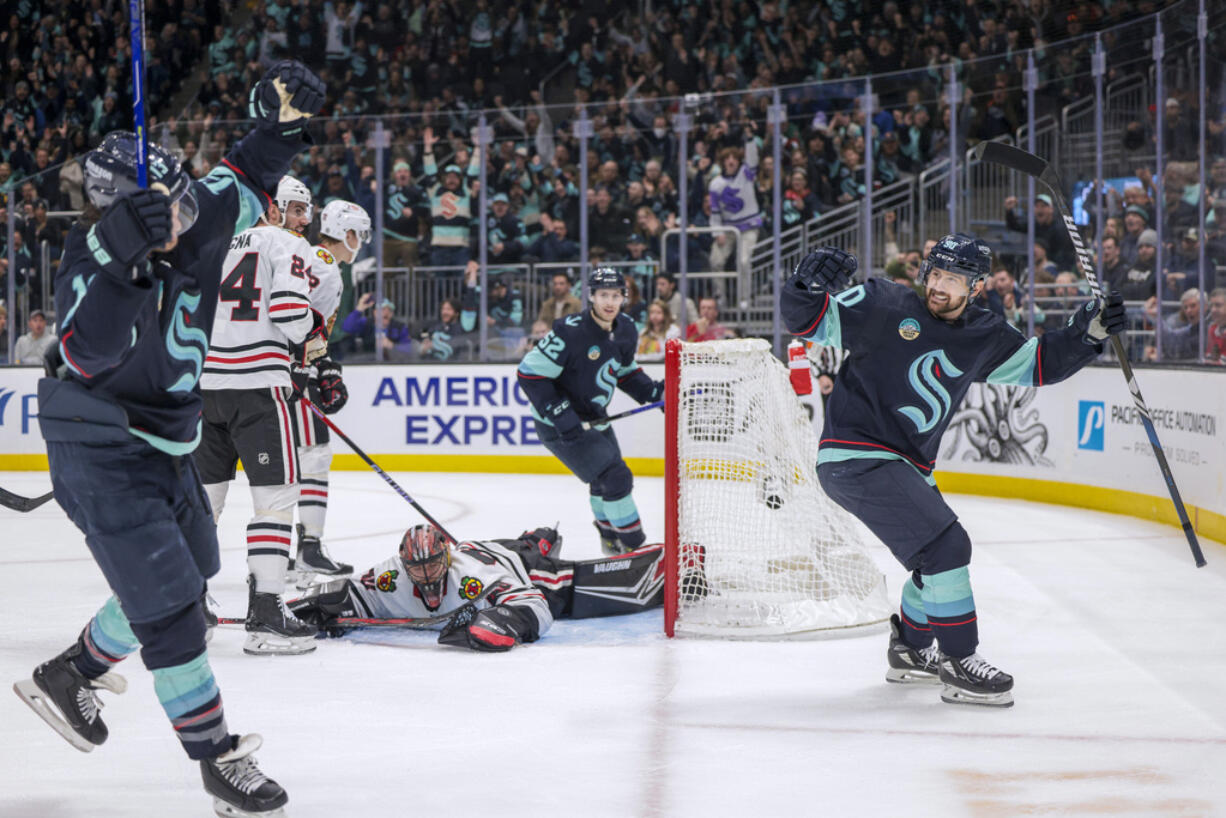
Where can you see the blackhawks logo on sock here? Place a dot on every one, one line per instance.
(470, 587)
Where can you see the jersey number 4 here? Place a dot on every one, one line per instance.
(239, 286)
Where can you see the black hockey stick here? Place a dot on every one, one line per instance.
(18, 503)
(1032, 165)
(396, 486)
(646, 407)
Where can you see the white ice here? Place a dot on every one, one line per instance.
(1114, 637)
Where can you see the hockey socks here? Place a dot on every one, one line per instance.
(915, 630)
(189, 695)
(623, 516)
(313, 503)
(106, 641)
(950, 608)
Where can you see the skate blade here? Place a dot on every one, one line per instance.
(268, 644)
(956, 695)
(227, 810)
(911, 676)
(33, 696)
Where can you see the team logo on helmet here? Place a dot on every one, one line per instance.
(387, 581)
(470, 587)
(909, 329)
(593, 352)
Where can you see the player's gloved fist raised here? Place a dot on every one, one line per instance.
(133, 226)
(1110, 318)
(286, 97)
(826, 269)
(332, 392)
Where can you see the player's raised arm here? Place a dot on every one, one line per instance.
(813, 306)
(1055, 355)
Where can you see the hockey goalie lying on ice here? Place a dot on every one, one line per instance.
(497, 593)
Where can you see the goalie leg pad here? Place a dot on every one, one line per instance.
(323, 604)
(625, 584)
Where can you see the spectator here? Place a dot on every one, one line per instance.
(1215, 343)
(405, 203)
(659, 329)
(1139, 283)
(438, 342)
(1184, 270)
(397, 341)
(799, 202)
(1005, 299)
(707, 327)
(608, 225)
(1059, 245)
(643, 266)
(504, 311)
(553, 246)
(1136, 221)
(666, 291)
(1067, 299)
(1115, 269)
(561, 301)
(634, 305)
(734, 203)
(31, 347)
(451, 207)
(1180, 331)
(1041, 261)
(504, 232)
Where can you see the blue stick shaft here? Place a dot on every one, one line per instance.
(136, 21)
(646, 407)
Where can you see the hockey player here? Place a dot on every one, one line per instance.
(264, 309)
(569, 376)
(343, 228)
(499, 593)
(912, 361)
(137, 288)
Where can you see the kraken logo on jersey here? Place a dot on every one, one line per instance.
(185, 342)
(606, 381)
(928, 368)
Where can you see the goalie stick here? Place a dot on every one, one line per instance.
(19, 503)
(1031, 165)
(467, 610)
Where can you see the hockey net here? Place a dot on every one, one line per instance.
(755, 548)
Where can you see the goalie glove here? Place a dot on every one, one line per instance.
(493, 630)
(323, 604)
(332, 392)
(287, 96)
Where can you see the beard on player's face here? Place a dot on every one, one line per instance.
(946, 294)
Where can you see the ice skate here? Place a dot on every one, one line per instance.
(314, 559)
(272, 629)
(238, 787)
(972, 680)
(609, 544)
(66, 700)
(910, 665)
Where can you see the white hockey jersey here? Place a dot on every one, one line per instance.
(477, 568)
(264, 305)
(734, 202)
(326, 283)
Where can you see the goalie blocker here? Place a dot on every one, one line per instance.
(494, 593)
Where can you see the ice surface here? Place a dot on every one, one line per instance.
(1114, 637)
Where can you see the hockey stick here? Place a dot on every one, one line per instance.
(644, 408)
(1031, 165)
(18, 503)
(468, 608)
(136, 22)
(396, 486)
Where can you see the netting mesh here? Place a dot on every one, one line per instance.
(762, 550)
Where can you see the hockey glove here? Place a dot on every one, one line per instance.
(316, 340)
(827, 269)
(657, 393)
(544, 539)
(300, 376)
(1110, 318)
(323, 604)
(565, 420)
(493, 630)
(332, 392)
(287, 96)
(132, 227)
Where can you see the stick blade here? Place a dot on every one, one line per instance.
(19, 503)
(1002, 154)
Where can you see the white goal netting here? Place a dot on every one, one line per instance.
(761, 550)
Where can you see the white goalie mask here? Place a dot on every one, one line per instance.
(339, 217)
(289, 190)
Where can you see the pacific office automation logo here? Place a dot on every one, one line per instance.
(1091, 422)
(5, 394)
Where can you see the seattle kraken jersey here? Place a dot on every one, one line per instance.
(479, 570)
(265, 305)
(581, 363)
(907, 370)
(734, 202)
(326, 283)
(142, 344)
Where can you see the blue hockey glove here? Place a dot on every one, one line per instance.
(133, 226)
(287, 96)
(826, 269)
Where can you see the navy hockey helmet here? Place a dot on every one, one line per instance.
(605, 278)
(426, 557)
(959, 253)
(110, 171)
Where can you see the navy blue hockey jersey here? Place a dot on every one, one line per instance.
(580, 363)
(141, 345)
(907, 370)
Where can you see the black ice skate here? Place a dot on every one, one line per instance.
(972, 680)
(313, 559)
(66, 700)
(272, 629)
(238, 787)
(910, 665)
(610, 546)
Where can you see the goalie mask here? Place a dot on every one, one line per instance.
(426, 557)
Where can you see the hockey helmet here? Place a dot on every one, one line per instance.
(289, 190)
(426, 557)
(962, 254)
(110, 172)
(339, 217)
(605, 278)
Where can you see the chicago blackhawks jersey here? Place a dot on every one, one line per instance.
(483, 571)
(264, 305)
(326, 284)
